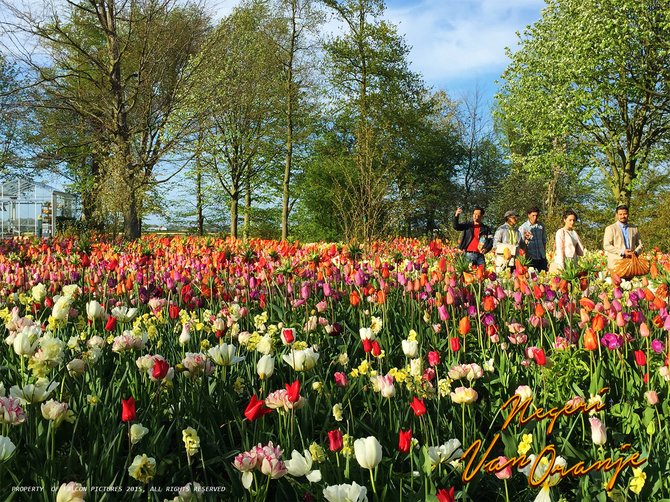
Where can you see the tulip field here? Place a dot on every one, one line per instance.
(187, 368)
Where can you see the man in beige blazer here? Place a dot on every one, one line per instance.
(621, 240)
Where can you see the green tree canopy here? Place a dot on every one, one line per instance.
(588, 87)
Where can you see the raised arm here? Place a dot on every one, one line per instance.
(457, 224)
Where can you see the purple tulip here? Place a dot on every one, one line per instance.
(612, 341)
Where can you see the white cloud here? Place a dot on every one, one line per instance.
(461, 39)
(451, 40)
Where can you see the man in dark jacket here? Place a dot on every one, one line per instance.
(476, 239)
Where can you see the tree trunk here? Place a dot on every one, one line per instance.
(89, 197)
(626, 188)
(247, 206)
(234, 203)
(289, 124)
(198, 199)
(287, 174)
(132, 224)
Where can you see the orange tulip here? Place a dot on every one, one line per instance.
(354, 298)
(659, 304)
(464, 326)
(598, 323)
(489, 303)
(590, 339)
(539, 310)
(587, 304)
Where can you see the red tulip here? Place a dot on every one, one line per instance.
(455, 344)
(128, 409)
(111, 323)
(540, 357)
(433, 358)
(293, 391)
(335, 440)
(445, 496)
(256, 409)
(173, 311)
(160, 369)
(367, 345)
(404, 441)
(640, 358)
(376, 348)
(287, 335)
(418, 407)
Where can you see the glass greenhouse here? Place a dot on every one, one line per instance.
(32, 208)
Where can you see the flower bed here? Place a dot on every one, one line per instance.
(326, 372)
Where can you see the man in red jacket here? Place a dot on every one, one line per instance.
(476, 239)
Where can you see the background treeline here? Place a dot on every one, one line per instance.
(302, 118)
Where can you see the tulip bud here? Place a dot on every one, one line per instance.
(598, 432)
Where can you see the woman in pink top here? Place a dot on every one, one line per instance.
(568, 244)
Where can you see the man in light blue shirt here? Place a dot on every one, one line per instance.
(535, 238)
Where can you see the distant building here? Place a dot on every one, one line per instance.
(31, 208)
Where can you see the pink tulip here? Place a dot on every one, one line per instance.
(505, 473)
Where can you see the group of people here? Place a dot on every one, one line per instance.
(477, 239)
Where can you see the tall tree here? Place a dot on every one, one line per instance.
(296, 44)
(14, 123)
(427, 185)
(117, 70)
(379, 103)
(238, 90)
(588, 87)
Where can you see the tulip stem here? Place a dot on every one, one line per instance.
(463, 423)
(372, 480)
(506, 491)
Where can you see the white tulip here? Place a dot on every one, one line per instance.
(368, 452)
(25, 344)
(410, 348)
(39, 293)
(94, 310)
(302, 360)
(6, 448)
(346, 493)
(265, 367)
(224, 354)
